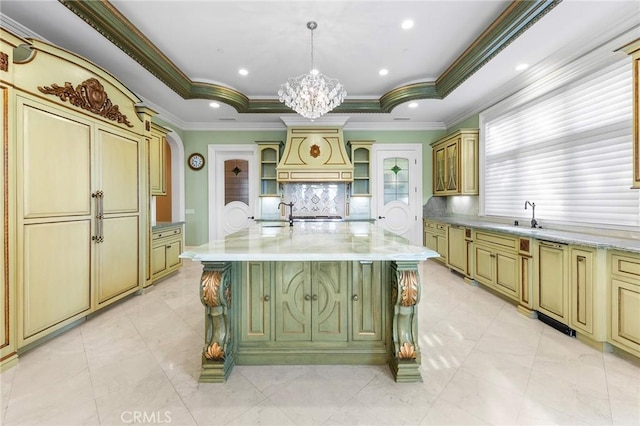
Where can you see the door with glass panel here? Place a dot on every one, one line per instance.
(399, 190)
(235, 193)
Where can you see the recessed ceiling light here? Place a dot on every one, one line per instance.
(413, 105)
(522, 67)
(214, 105)
(407, 24)
(383, 71)
(243, 71)
(314, 72)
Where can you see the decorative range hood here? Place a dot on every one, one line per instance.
(315, 154)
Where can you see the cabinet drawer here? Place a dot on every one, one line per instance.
(167, 232)
(497, 240)
(626, 266)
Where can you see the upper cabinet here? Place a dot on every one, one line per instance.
(455, 164)
(633, 49)
(157, 172)
(361, 159)
(269, 154)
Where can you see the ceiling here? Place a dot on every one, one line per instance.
(459, 57)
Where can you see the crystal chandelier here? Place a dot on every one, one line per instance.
(312, 95)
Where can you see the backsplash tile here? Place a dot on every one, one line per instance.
(316, 199)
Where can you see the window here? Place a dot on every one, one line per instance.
(569, 152)
(396, 180)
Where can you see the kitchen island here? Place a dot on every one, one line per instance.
(311, 293)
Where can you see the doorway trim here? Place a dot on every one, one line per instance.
(216, 185)
(177, 177)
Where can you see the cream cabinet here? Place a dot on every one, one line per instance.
(78, 165)
(496, 267)
(166, 246)
(624, 284)
(582, 290)
(8, 322)
(501, 263)
(157, 167)
(551, 293)
(435, 238)
(459, 249)
(455, 164)
(633, 49)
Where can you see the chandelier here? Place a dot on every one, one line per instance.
(312, 95)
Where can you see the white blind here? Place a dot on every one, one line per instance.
(569, 152)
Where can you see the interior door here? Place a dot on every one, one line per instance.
(399, 190)
(235, 192)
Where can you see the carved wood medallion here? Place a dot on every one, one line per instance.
(315, 151)
(90, 96)
(214, 352)
(407, 351)
(4, 62)
(211, 281)
(409, 284)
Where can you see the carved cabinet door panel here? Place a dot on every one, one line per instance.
(293, 289)
(329, 301)
(366, 301)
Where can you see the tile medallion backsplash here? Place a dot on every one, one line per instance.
(317, 199)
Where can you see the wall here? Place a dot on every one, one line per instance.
(197, 226)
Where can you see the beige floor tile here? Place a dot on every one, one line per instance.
(482, 363)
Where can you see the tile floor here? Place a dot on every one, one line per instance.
(483, 363)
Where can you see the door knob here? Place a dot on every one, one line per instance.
(381, 217)
(355, 298)
(307, 297)
(267, 298)
(251, 217)
(315, 297)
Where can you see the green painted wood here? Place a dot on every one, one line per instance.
(366, 301)
(329, 286)
(256, 302)
(293, 293)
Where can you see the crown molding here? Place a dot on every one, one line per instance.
(108, 21)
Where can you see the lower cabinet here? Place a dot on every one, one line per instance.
(551, 292)
(496, 262)
(459, 253)
(166, 246)
(289, 304)
(435, 238)
(311, 301)
(624, 283)
(582, 288)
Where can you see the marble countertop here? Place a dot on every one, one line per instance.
(277, 241)
(161, 225)
(630, 243)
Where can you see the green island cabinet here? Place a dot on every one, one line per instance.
(293, 312)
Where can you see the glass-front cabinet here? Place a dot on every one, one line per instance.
(269, 153)
(455, 164)
(361, 187)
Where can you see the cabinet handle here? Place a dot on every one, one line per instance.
(169, 246)
(315, 297)
(307, 297)
(355, 298)
(267, 298)
(580, 258)
(492, 255)
(381, 217)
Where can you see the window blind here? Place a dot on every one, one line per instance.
(569, 152)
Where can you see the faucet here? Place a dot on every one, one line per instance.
(290, 211)
(534, 222)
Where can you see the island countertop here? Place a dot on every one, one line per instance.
(276, 241)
